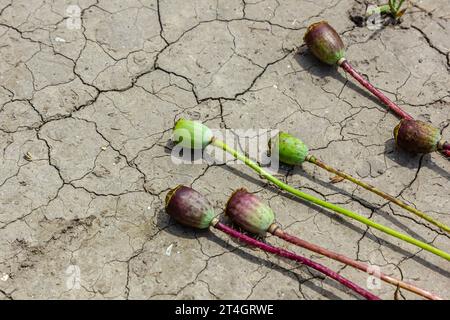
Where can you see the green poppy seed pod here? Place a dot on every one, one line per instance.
(191, 134)
(189, 207)
(417, 136)
(249, 212)
(288, 149)
(324, 42)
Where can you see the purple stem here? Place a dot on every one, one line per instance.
(292, 256)
(366, 84)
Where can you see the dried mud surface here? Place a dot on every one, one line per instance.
(86, 114)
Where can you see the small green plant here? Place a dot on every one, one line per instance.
(411, 135)
(393, 8)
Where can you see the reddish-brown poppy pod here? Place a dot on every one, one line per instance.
(192, 134)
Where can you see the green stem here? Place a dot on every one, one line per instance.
(386, 196)
(325, 204)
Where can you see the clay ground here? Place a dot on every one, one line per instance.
(86, 110)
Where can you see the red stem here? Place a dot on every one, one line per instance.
(348, 261)
(292, 256)
(366, 84)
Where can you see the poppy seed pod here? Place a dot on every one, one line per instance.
(249, 212)
(288, 149)
(417, 136)
(324, 42)
(191, 134)
(189, 207)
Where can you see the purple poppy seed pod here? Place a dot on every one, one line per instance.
(417, 136)
(325, 43)
(249, 212)
(189, 207)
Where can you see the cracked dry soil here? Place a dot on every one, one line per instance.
(86, 110)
